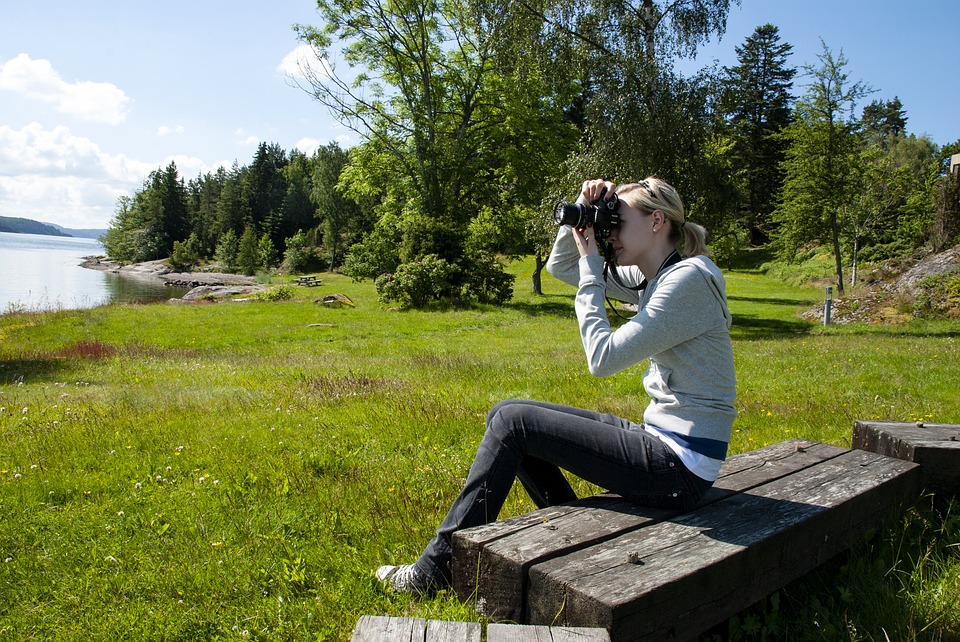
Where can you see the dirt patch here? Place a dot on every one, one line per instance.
(895, 292)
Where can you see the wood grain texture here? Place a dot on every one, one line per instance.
(501, 555)
(677, 578)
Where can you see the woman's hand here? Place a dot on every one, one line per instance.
(586, 242)
(592, 189)
(585, 239)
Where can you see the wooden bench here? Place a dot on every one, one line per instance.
(376, 628)
(773, 515)
(935, 447)
(308, 281)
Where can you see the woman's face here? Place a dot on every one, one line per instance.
(634, 237)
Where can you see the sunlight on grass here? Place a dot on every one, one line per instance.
(237, 470)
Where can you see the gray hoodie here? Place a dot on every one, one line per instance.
(682, 326)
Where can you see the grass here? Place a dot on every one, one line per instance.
(237, 470)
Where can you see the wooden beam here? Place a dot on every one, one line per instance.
(676, 579)
(492, 562)
(936, 447)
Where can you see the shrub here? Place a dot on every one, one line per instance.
(279, 293)
(486, 281)
(417, 284)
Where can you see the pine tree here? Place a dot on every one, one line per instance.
(758, 107)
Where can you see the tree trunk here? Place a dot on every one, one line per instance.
(537, 284)
(838, 259)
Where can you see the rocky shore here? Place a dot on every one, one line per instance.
(204, 285)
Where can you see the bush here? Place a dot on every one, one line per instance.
(278, 293)
(417, 284)
(487, 281)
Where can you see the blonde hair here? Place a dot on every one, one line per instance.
(654, 194)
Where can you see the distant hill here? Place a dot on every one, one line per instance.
(28, 226)
(82, 233)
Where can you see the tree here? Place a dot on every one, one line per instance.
(757, 103)
(248, 258)
(821, 153)
(342, 221)
(882, 121)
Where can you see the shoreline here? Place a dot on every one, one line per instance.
(203, 285)
(160, 271)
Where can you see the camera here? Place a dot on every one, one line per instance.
(602, 215)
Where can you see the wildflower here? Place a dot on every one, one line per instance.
(200, 480)
(25, 409)
(16, 475)
(137, 486)
(7, 560)
(120, 513)
(159, 478)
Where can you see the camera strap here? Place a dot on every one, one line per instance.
(610, 261)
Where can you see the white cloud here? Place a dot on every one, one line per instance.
(165, 130)
(54, 175)
(303, 64)
(99, 102)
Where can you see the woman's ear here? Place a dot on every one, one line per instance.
(659, 218)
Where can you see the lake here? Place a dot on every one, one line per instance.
(44, 273)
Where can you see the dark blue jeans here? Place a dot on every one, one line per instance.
(532, 441)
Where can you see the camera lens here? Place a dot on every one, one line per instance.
(573, 214)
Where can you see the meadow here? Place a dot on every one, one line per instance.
(238, 470)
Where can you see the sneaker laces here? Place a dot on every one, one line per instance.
(406, 578)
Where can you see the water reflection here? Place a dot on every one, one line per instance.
(45, 273)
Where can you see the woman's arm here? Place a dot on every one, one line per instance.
(681, 308)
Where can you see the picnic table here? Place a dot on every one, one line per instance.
(308, 281)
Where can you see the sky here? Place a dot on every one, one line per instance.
(96, 95)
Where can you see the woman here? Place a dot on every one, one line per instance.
(682, 326)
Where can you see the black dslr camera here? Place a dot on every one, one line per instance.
(602, 215)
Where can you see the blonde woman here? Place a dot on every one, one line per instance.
(671, 455)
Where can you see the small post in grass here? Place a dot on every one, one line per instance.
(827, 306)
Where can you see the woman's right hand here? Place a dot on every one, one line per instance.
(593, 188)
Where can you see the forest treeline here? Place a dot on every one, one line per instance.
(475, 118)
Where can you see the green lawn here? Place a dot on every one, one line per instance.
(237, 470)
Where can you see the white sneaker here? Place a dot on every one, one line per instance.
(406, 578)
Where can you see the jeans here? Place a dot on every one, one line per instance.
(532, 441)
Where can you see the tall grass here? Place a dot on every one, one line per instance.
(237, 470)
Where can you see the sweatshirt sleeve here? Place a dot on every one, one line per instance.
(674, 313)
(565, 265)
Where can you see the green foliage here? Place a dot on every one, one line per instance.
(247, 255)
(486, 281)
(377, 254)
(939, 296)
(296, 259)
(186, 254)
(757, 103)
(266, 253)
(228, 250)
(281, 292)
(425, 282)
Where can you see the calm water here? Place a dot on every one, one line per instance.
(44, 273)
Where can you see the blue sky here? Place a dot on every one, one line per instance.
(95, 95)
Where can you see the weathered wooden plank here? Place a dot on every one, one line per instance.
(502, 555)
(540, 633)
(675, 579)
(936, 447)
(380, 628)
(438, 631)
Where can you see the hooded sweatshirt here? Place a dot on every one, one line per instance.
(682, 326)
